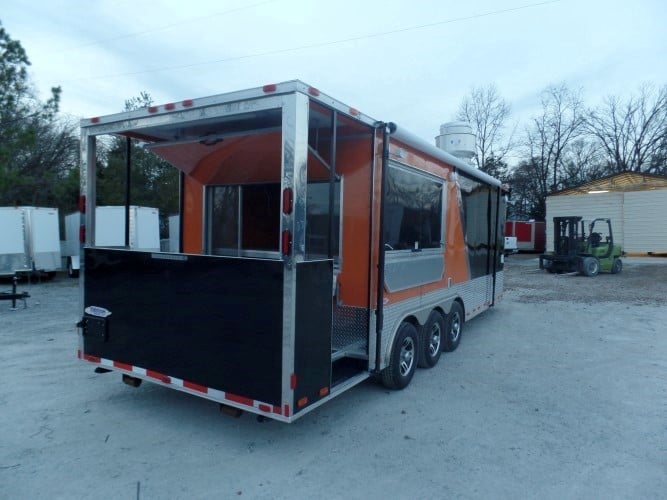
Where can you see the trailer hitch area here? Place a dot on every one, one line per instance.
(14, 295)
(230, 411)
(131, 381)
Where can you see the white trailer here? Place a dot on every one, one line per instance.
(13, 255)
(174, 233)
(110, 232)
(30, 240)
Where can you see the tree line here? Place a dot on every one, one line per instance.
(40, 151)
(564, 144)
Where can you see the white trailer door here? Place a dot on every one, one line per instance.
(12, 242)
(146, 229)
(110, 226)
(45, 236)
(71, 244)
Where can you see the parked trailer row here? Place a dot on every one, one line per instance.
(144, 232)
(318, 247)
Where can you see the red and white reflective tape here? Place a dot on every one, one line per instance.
(186, 385)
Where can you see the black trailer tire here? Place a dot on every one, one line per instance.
(403, 358)
(432, 337)
(453, 328)
(617, 266)
(591, 267)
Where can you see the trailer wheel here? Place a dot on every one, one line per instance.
(453, 328)
(617, 266)
(591, 266)
(403, 362)
(432, 336)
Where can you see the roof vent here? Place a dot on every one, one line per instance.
(456, 138)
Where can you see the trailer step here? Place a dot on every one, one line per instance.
(355, 350)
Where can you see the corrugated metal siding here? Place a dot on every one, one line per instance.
(645, 223)
(588, 206)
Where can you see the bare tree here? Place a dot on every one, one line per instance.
(583, 162)
(553, 132)
(487, 113)
(632, 132)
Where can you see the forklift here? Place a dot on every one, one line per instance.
(578, 252)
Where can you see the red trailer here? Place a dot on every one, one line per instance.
(530, 235)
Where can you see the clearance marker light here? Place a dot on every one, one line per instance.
(169, 106)
(187, 103)
(270, 87)
(95, 120)
(287, 242)
(82, 234)
(313, 91)
(287, 201)
(82, 203)
(354, 112)
(152, 109)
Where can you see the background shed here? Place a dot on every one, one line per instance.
(636, 203)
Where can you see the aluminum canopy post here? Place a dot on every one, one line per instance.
(292, 227)
(128, 167)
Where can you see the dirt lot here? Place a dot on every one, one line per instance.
(643, 282)
(558, 392)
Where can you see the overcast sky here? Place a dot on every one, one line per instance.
(410, 62)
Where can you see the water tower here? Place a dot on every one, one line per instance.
(457, 139)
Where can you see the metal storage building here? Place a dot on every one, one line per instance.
(635, 202)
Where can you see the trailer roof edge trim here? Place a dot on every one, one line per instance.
(418, 143)
(226, 98)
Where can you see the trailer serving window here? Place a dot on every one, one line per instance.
(413, 231)
(413, 210)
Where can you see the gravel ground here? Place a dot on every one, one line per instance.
(558, 392)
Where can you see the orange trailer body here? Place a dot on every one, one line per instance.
(318, 247)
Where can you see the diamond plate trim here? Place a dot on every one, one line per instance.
(350, 326)
(476, 295)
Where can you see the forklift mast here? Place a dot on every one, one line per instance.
(568, 234)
